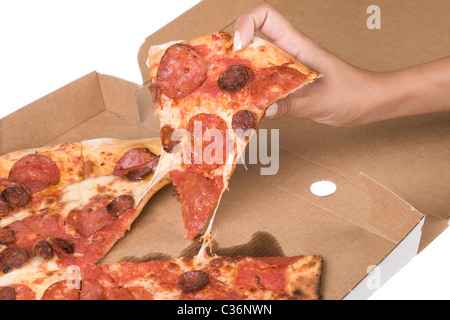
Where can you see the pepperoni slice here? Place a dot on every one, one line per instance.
(208, 141)
(23, 292)
(7, 293)
(181, 70)
(44, 250)
(192, 280)
(167, 135)
(61, 291)
(91, 290)
(13, 257)
(136, 164)
(90, 219)
(7, 235)
(269, 273)
(35, 172)
(67, 245)
(235, 78)
(15, 197)
(119, 205)
(243, 122)
(199, 196)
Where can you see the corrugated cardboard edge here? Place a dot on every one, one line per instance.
(112, 89)
(395, 260)
(377, 275)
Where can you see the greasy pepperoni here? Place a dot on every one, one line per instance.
(91, 290)
(138, 174)
(15, 197)
(35, 172)
(167, 136)
(199, 196)
(192, 280)
(136, 164)
(119, 205)
(61, 291)
(208, 141)
(243, 122)
(90, 219)
(23, 292)
(24, 237)
(235, 78)
(255, 272)
(7, 293)
(7, 235)
(13, 257)
(181, 71)
(5, 207)
(67, 245)
(43, 249)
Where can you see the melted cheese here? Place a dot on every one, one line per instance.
(37, 276)
(79, 194)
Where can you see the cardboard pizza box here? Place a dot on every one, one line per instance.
(358, 227)
(366, 230)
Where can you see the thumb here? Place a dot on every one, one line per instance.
(279, 109)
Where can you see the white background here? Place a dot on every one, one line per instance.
(47, 44)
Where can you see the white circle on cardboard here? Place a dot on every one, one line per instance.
(323, 188)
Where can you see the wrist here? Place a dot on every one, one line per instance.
(412, 91)
(391, 96)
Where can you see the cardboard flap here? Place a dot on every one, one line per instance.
(55, 113)
(118, 96)
(92, 106)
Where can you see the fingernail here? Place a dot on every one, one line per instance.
(272, 110)
(237, 42)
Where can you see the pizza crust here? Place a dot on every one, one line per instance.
(265, 54)
(305, 278)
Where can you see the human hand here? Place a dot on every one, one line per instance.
(346, 95)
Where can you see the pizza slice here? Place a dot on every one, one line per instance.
(210, 100)
(78, 199)
(208, 278)
(102, 207)
(32, 180)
